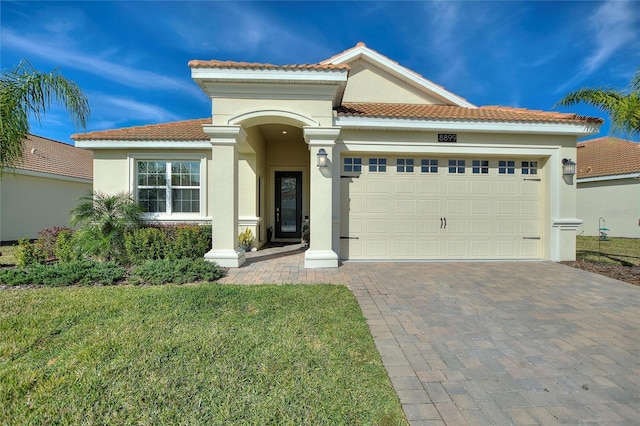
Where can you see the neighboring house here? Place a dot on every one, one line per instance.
(43, 188)
(384, 164)
(609, 187)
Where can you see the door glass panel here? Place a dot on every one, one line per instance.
(288, 199)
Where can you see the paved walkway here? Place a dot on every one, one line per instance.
(490, 343)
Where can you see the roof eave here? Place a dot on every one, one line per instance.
(142, 144)
(381, 123)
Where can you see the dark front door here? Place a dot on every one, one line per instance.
(288, 204)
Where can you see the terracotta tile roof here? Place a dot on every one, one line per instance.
(607, 156)
(57, 158)
(447, 112)
(254, 65)
(187, 130)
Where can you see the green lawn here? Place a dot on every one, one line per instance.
(194, 354)
(6, 255)
(616, 250)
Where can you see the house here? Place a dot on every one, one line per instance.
(608, 181)
(383, 164)
(41, 190)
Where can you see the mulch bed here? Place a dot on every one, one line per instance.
(629, 274)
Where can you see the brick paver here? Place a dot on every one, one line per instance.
(490, 342)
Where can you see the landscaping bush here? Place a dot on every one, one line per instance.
(189, 242)
(47, 239)
(178, 271)
(66, 248)
(28, 253)
(84, 272)
(145, 244)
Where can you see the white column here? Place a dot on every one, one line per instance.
(224, 193)
(321, 253)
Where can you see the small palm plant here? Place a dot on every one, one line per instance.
(245, 239)
(104, 219)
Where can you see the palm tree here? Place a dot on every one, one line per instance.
(104, 219)
(25, 90)
(622, 106)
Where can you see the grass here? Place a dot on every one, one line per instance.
(6, 257)
(621, 251)
(195, 354)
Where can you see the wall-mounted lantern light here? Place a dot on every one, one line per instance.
(568, 167)
(322, 158)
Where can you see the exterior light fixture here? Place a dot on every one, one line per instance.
(322, 158)
(568, 167)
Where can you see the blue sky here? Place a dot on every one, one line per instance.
(131, 56)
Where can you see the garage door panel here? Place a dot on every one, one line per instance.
(377, 249)
(377, 226)
(429, 207)
(406, 226)
(405, 186)
(377, 205)
(429, 185)
(480, 248)
(396, 215)
(405, 206)
(457, 187)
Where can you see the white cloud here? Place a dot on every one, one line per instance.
(614, 25)
(117, 110)
(49, 47)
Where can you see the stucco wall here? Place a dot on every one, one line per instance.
(368, 83)
(114, 171)
(617, 201)
(30, 203)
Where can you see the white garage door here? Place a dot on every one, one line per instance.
(441, 208)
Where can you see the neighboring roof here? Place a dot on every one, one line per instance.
(188, 130)
(446, 112)
(607, 156)
(196, 63)
(52, 157)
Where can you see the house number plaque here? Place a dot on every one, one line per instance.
(447, 137)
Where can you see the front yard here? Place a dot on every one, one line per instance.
(194, 354)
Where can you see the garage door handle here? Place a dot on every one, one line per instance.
(349, 238)
(441, 223)
(530, 238)
(445, 223)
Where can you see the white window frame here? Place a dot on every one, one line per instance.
(428, 164)
(459, 167)
(480, 167)
(352, 164)
(529, 167)
(169, 158)
(377, 165)
(405, 165)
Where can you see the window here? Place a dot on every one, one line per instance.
(456, 166)
(377, 164)
(352, 164)
(480, 167)
(169, 186)
(506, 167)
(529, 167)
(429, 165)
(404, 165)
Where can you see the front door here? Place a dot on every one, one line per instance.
(288, 212)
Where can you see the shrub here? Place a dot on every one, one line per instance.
(28, 253)
(83, 272)
(66, 249)
(176, 271)
(189, 242)
(47, 239)
(105, 219)
(145, 244)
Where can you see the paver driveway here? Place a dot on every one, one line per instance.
(492, 343)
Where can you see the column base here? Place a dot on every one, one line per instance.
(320, 259)
(226, 258)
